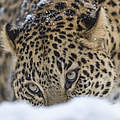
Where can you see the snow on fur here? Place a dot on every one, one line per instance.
(81, 108)
(42, 2)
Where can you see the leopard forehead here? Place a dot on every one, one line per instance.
(47, 49)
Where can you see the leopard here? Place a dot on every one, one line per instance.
(64, 49)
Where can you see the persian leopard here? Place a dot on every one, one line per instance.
(57, 56)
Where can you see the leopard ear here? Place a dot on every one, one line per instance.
(100, 32)
(9, 35)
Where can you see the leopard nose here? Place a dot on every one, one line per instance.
(56, 100)
(55, 97)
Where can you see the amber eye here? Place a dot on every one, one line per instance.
(71, 75)
(34, 89)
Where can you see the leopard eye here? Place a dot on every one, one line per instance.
(71, 75)
(34, 89)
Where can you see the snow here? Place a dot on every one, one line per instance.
(81, 108)
(23, 3)
(1, 11)
(42, 2)
(28, 18)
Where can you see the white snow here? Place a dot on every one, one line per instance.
(81, 108)
(28, 17)
(2, 11)
(42, 2)
(31, 16)
(24, 2)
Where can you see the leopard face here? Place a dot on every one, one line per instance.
(54, 61)
(61, 75)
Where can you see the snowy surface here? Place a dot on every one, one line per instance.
(83, 108)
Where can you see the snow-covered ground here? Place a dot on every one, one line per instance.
(83, 108)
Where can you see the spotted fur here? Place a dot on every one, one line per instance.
(111, 40)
